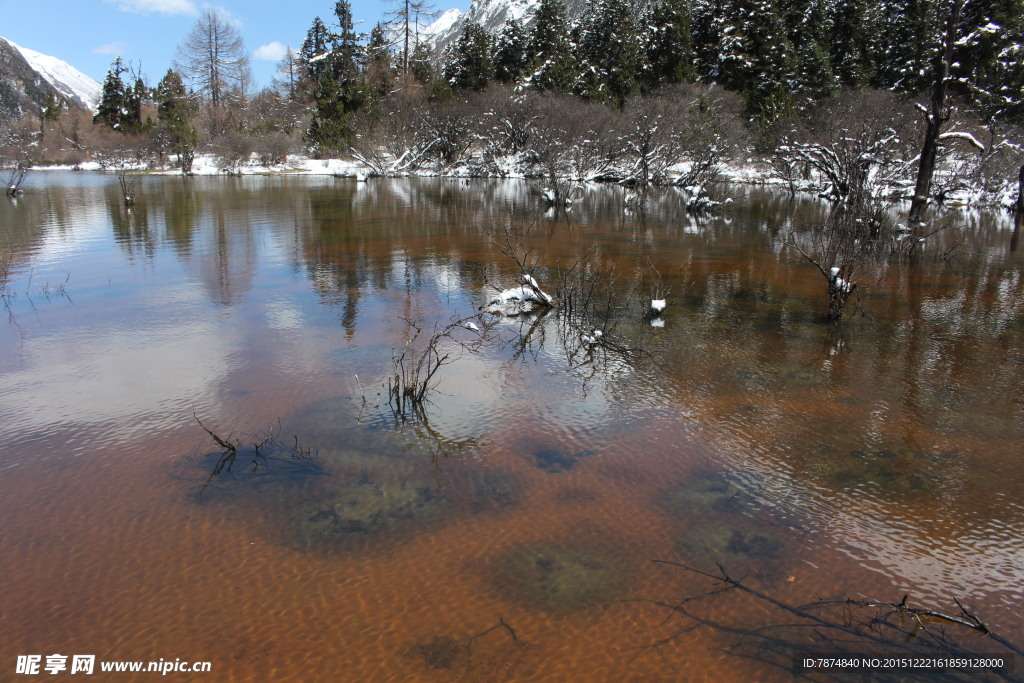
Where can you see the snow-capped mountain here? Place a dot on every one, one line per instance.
(69, 81)
(28, 79)
(491, 14)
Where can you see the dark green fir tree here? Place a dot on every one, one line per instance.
(113, 109)
(667, 44)
(609, 54)
(510, 56)
(552, 66)
(471, 65)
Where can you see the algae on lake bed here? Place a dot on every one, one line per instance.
(559, 578)
(368, 506)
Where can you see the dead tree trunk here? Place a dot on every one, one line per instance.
(936, 116)
(1015, 237)
(1020, 192)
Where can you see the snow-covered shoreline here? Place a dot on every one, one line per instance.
(749, 172)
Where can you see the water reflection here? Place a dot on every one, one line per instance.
(881, 454)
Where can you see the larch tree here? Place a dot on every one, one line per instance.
(213, 59)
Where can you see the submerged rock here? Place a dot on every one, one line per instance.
(368, 506)
(713, 491)
(440, 653)
(551, 460)
(736, 548)
(561, 578)
(896, 471)
(494, 489)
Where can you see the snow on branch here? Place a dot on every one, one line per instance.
(960, 135)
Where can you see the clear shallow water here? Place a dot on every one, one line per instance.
(878, 459)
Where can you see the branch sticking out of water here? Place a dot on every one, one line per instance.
(414, 370)
(265, 453)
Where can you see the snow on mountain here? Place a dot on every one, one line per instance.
(69, 81)
(491, 14)
(442, 23)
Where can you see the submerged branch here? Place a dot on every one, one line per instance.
(841, 632)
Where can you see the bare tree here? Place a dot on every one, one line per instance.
(214, 59)
(289, 72)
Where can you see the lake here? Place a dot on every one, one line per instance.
(510, 530)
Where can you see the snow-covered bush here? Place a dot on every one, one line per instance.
(860, 144)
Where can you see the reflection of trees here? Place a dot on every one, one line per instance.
(906, 417)
(27, 222)
(212, 225)
(228, 255)
(130, 225)
(180, 204)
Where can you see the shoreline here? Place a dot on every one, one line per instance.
(750, 173)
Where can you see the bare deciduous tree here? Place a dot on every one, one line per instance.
(213, 57)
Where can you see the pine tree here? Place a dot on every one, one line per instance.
(807, 29)
(907, 35)
(135, 97)
(712, 30)
(315, 48)
(851, 43)
(667, 45)
(379, 68)
(421, 67)
(989, 58)
(113, 109)
(552, 66)
(471, 65)
(609, 54)
(510, 56)
(338, 82)
(175, 109)
(769, 59)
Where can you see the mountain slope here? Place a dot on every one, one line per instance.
(493, 15)
(69, 81)
(28, 79)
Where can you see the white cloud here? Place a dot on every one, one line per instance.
(224, 13)
(155, 6)
(271, 52)
(114, 48)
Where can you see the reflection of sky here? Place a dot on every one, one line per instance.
(934, 558)
(127, 376)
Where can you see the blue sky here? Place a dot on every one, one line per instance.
(89, 34)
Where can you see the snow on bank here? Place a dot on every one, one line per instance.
(747, 171)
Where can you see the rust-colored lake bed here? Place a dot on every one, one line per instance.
(514, 536)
